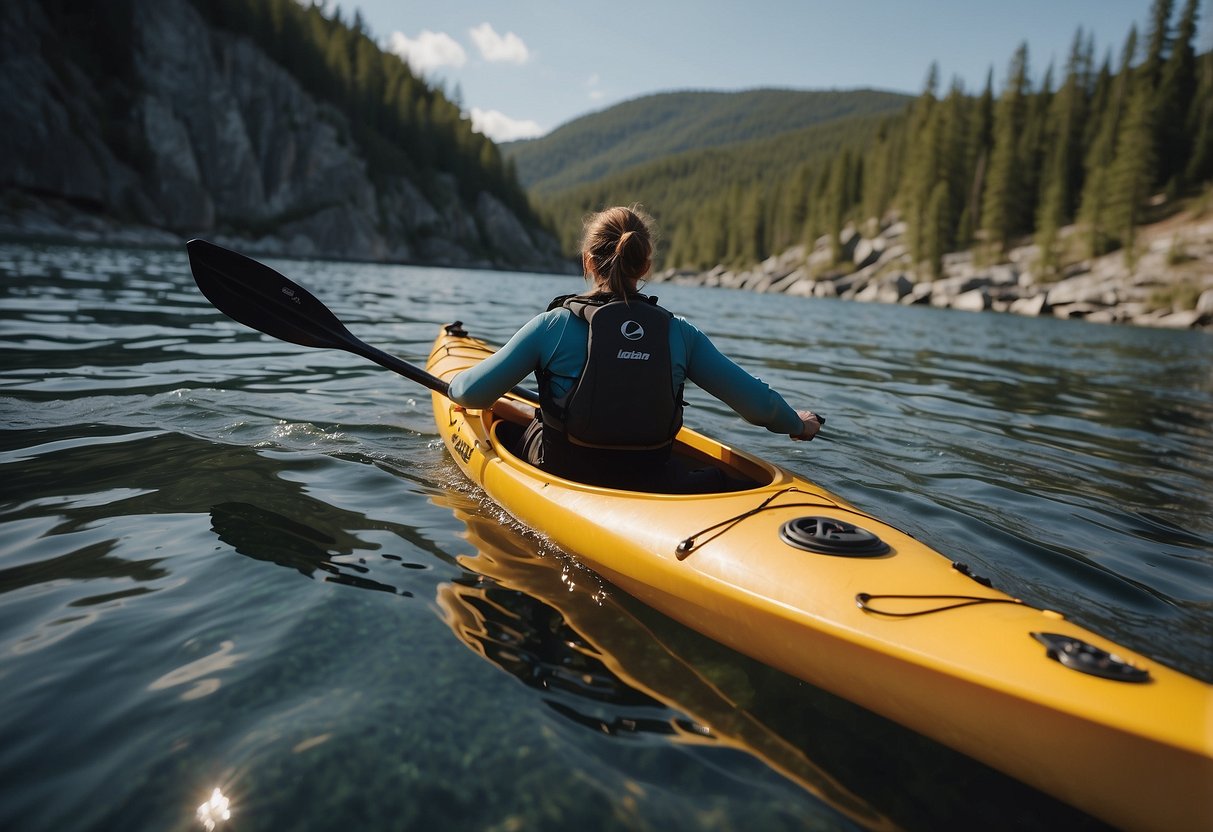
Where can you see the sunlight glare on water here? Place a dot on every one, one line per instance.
(215, 811)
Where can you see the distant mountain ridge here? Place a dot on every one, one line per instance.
(653, 127)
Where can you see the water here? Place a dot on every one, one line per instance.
(228, 562)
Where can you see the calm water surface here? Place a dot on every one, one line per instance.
(228, 562)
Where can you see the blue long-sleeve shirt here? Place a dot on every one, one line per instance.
(557, 340)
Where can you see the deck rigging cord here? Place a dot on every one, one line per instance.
(863, 601)
(689, 544)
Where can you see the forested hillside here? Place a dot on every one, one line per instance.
(724, 205)
(404, 124)
(657, 126)
(1108, 143)
(276, 126)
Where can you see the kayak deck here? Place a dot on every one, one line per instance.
(897, 629)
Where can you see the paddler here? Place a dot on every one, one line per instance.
(611, 365)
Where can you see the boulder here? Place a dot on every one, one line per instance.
(867, 252)
(919, 293)
(895, 231)
(804, 287)
(975, 300)
(1088, 288)
(869, 293)
(784, 284)
(1204, 304)
(1032, 306)
(888, 289)
(1185, 319)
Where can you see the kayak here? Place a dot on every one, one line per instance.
(793, 576)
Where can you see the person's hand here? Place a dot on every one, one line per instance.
(812, 424)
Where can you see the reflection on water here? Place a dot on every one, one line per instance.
(599, 667)
(266, 535)
(602, 667)
(222, 659)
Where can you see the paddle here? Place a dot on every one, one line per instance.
(257, 296)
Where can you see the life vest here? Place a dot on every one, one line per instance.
(624, 398)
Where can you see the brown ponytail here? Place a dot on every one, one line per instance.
(617, 249)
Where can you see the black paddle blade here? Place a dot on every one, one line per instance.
(257, 296)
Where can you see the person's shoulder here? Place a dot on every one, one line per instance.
(549, 321)
(685, 326)
(554, 316)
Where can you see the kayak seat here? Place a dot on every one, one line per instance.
(683, 474)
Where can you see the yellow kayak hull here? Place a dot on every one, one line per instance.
(1138, 755)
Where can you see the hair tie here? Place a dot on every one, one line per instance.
(623, 239)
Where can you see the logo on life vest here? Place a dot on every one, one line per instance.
(632, 331)
(634, 354)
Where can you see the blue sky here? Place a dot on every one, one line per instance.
(523, 69)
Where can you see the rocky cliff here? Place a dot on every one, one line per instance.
(203, 135)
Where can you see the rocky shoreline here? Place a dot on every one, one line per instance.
(1170, 284)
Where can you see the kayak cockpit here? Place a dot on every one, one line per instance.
(697, 465)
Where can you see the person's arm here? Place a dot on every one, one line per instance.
(482, 385)
(751, 397)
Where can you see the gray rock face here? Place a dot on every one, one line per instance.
(51, 139)
(229, 146)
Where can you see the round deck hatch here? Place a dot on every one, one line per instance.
(828, 536)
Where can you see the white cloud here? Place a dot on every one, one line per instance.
(428, 51)
(496, 48)
(592, 84)
(501, 128)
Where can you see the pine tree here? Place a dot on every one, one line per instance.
(1132, 171)
(836, 201)
(922, 166)
(1200, 125)
(1062, 161)
(710, 234)
(1004, 198)
(749, 228)
(881, 169)
(955, 157)
(1096, 193)
(1031, 154)
(1175, 98)
(1100, 96)
(939, 221)
(1156, 45)
(980, 144)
